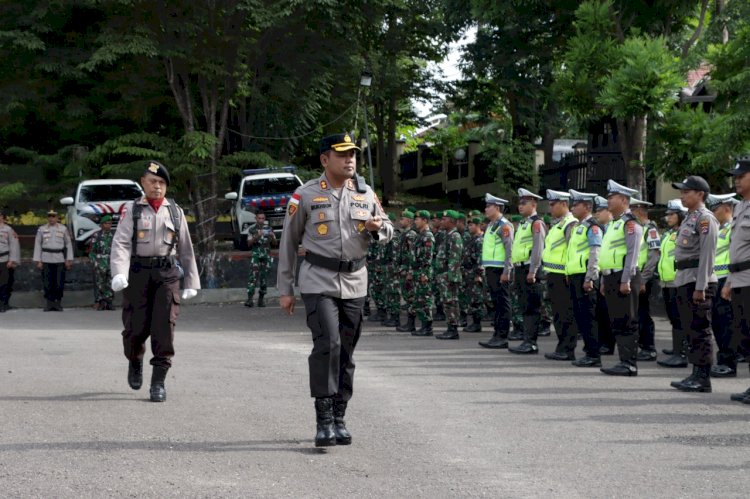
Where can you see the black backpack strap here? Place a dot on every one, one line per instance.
(136, 215)
(174, 213)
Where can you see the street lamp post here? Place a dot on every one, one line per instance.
(365, 80)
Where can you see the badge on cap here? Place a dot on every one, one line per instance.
(153, 168)
(347, 138)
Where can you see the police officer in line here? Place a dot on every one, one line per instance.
(722, 206)
(582, 269)
(675, 214)
(10, 257)
(737, 286)
(53, 254)
(648, 259)
(334, 217)
(696, 280)
(526, 258)
(424, 248)
(606, 338)
(150, 252)
(100, 247)
(405, 257)
(618, 263)
(553, 262)
(497, 247)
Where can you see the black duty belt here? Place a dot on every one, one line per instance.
(4, 253)
(152, 262)
(334, 263)
(739, 267)
(687, 264)
(61, 250)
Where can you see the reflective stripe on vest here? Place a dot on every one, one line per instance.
(614, 248)
(667, 272)
(556, 247)
(523, 242)
(578, 250)
(721, 264)
(493, 249)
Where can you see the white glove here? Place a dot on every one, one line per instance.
(189, 293)
(119, 282)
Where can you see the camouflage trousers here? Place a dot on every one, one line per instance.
(392, 292)
(375, 286)
(436, 289)
(421, 306)
(516, 310)
(449, 291)
(407, 292)
(546, 311)
(472, 296)
(102, 281)
(259, 268)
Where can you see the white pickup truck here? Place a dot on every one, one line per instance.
(267, 190)
(92, 200)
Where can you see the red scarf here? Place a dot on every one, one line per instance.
(155, 203)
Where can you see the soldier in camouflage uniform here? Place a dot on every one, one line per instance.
(449, 261)
(546, 302)
(374, 283)
(424, 249)
(439, 232)
(390, 277)
(259, 240)
(100, 246)
(473, 275)
(409, 238)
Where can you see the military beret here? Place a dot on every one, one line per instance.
(475, 220)
(407, 214)
(557, 195)
(156, 168)
(692, 183)
(450, 214)
(675, 206)
(490, 199)
(715, 200)
(475, 213)
(615, 188)
(461, 216)
(423, 214)
(105, 218)
(338, 142)
(411, 208)
(547, 219)
(516, 218)
(525, 193)
(741, 166)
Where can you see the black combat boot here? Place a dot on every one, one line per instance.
(425, 330)
(325, 437)
(49, 307)
(343, 437)
(391, 321)
(3, 307)
(57, 306)
(498, 340)
(673, 361)
(378, 316)
(646, 355)
(621, 369)
(741, 397)
(462, 321)
(545, 329)
(450, 334)
(158, 391)
(249, 302)
(723, 371)
(110, 306)
(409, 326)
(475, 326)
(366, 308)
(525, 348)
(439, 313)
(261, 300)
(135, 374)
(698, 381)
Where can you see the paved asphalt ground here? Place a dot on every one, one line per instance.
(429, 418)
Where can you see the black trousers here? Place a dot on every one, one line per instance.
(530, 302)
(721, 323)
(646, 328)
(336, 325)
(673, 314)
(741, 320)
(623, 314)
(53, 280)
(606, 336)
(584, 313)
(500, 295)
(150, 306)
(696, 320)
(562, 312)
(6, 282)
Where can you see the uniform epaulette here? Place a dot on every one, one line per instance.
(627, 217)
(311, 182)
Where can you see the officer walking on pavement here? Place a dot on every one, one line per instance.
(696, 280)
(150, 251)
(497, 247)
(424, 247)
(618, 263)
(667, 273)
(334, 217)
(582, 269)
(260, 237)
(554, 258)
(53, 254)
(450, 275)
(100, 247)
(737, 286)
(722, 206)
(526, 258)
(10, 257)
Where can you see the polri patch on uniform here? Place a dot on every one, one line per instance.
(704, 226)
(323, 229)
(630, 226)
(538, 226)
(292, 205)
(506, 230)
(595, 229)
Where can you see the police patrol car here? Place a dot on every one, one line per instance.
(264, 189)
(92, 200)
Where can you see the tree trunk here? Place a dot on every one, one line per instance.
(379, 119)
(387, 168)
(633, 147)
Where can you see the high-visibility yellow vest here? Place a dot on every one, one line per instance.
(721, 264)
(493, 250)
(577, 260)
(667, 272)
(523, 241)
(614, 249)
(555, 246)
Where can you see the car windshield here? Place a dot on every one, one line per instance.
(270, 186)
(113, 192)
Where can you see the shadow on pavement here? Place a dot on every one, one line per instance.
(299, 446)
